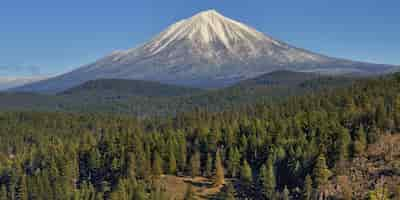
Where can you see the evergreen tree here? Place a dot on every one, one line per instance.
(228, 193)
(246, 175)
(321, 171)
(233, 161)
(209, 166)
(268, 181)
(22, 190)
(360, 142)
(172, 168)
(139, 193)
(195, 164)
(219, 178)
(157, 165)
(307, 188)
(131, 167)
(286, 194)
(3, 192)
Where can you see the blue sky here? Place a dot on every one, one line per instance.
(51, 37)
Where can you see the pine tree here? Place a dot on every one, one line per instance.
(21, 189)
(286, 194)
(181, 156)
(233, 161)
(360, 142)
(229, 193)
(195, 164)
(172, 169)
(321, 172)
(3, 192)
(139, 193)
(157, 165)
(219, 178)
(99, 196)
(120, 192)
(246, 175)
(158, 193)
(209, 166)
(397, 112)
(268, 181)
(131, 167)
(307, 188)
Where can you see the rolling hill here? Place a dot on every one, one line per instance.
(144, 98)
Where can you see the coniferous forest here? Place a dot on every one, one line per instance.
(332, 144)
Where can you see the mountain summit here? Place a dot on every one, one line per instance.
(205, 50)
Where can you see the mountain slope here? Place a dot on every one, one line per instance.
(126, 88)
(7, 82)
(206, 50)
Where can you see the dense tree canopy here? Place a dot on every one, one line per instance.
(269, 148)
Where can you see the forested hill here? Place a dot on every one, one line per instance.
(124, 88)
(146, 99)
(300, 149)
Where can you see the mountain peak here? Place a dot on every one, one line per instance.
(208, 16)
(205, 50)
(207, 30)
(207, 13)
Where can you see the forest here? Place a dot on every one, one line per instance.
(331, 144)
(148, 99)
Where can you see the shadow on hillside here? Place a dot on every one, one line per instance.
(198, 183)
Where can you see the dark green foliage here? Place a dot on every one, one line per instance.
(119, 88)
(246, 175)
(321, 172)
(172, 168)
(267, 179)
(144, 98)
(228, 193)
(157, 165)
(109, 156)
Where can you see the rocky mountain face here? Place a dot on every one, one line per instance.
(207, 50)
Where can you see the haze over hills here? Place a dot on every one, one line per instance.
(207, 50)
(146, 98)
(7, 82)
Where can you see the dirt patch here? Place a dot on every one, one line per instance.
(176, 187)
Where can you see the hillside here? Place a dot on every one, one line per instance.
(333, 144)
(143, 98)
(124, 88)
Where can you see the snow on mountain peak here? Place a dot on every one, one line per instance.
(209, 28)
(205, 50)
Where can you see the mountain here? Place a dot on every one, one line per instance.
(207, 50)
(8, 82)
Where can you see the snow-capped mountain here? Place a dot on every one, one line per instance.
(206, 50)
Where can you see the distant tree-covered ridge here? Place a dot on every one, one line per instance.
(147, 99)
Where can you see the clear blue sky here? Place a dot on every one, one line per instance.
(49, 36)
